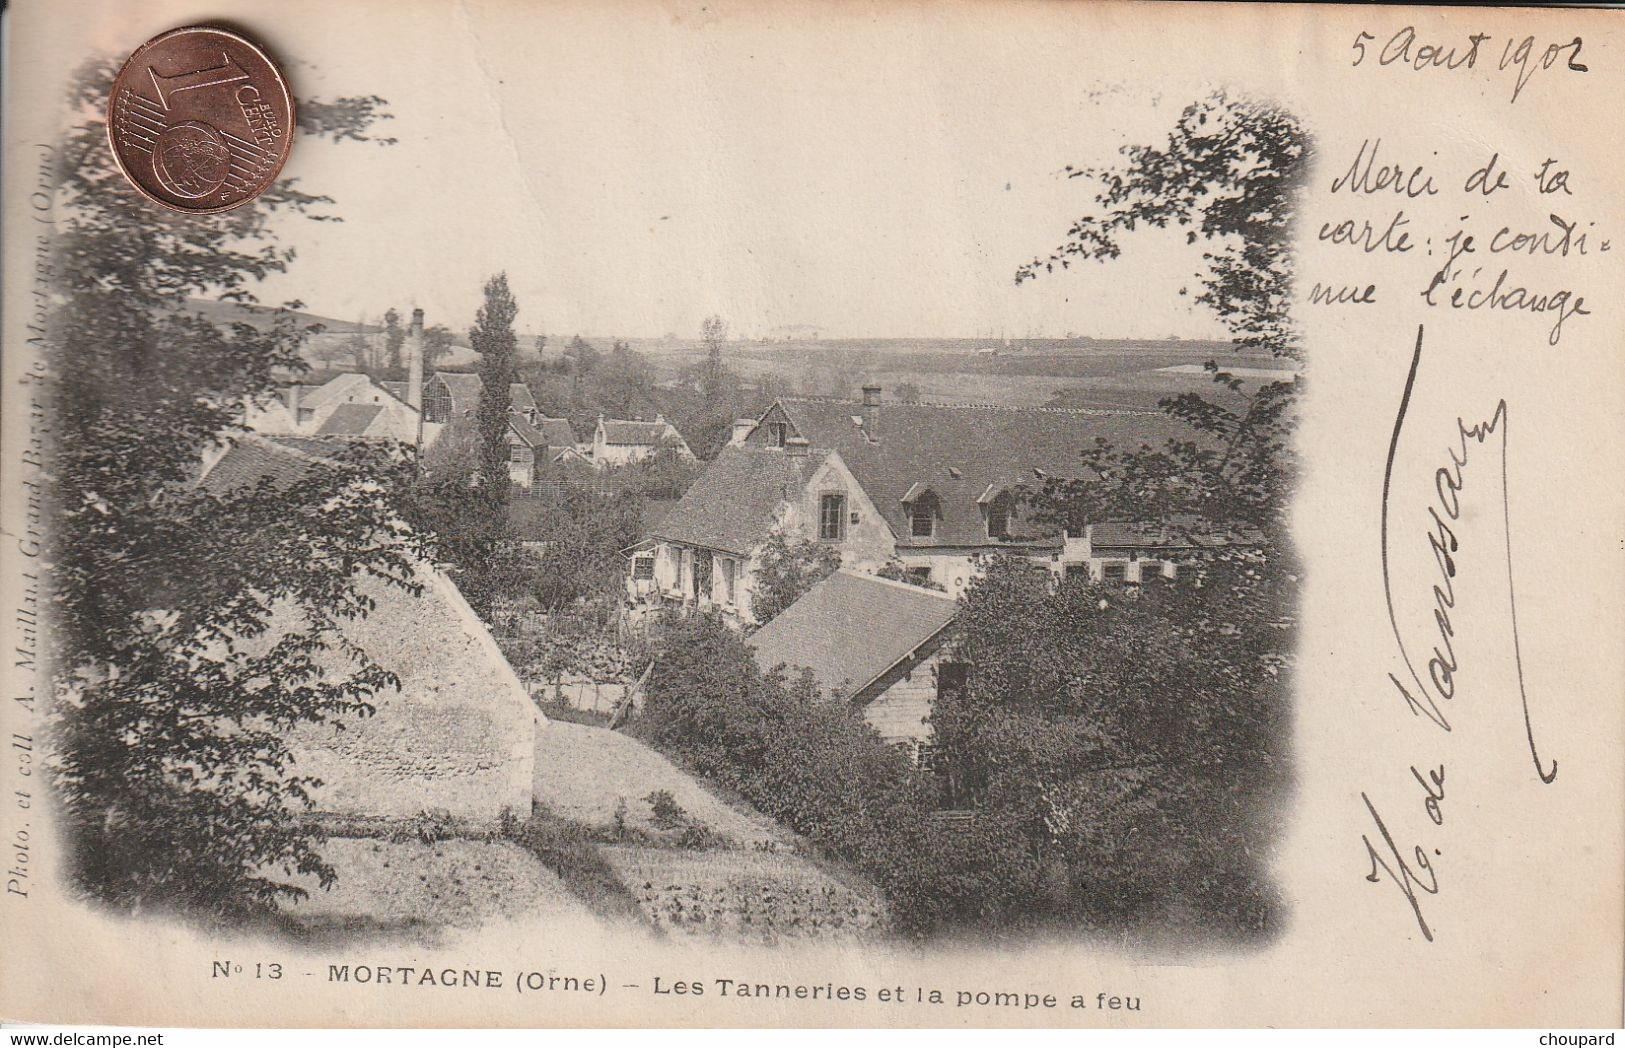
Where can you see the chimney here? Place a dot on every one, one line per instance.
(742, 428)
(798, 446)
(293, 404)
(414, 371)
(871, 414)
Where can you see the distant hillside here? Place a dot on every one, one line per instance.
(260, 316)
(324, 348)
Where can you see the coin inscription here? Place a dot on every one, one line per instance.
(200, 120)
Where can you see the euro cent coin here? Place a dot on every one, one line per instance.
(200, 120)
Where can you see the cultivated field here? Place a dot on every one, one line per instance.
(744, 895)
(417, 890)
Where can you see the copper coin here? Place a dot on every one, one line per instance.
(200, 120)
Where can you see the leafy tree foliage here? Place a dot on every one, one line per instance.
(815, 766)
(786, 570)
(173, 693)
(493, 339)
(581, 535)
(394, 338)
(1136, 742)
(437, 343)
(1132, 742)
(715, 379)
(1231, 175)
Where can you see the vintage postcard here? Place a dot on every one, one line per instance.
(811, 514)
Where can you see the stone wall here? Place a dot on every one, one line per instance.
(459, 735)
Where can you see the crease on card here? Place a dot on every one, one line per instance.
(488, 82)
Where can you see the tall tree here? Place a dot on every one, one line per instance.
(437, 343)
(169, 755)
(1136, 742)
(493, 338)
(714, 376)
(1230, 174)
(394, 338)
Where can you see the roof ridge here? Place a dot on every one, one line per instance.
(278, 447)
(869, 577)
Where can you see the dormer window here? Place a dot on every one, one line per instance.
(920, 503)
(922, 517)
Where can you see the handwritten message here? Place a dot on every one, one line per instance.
(1499, 234)
(1480, 261)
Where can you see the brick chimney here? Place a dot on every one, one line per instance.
(414, 371)
(871, 414)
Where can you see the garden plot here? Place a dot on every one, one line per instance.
(602, 779)
(416, 890)
(744, 895)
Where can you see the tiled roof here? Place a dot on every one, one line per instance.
(349, 420)
(642, 434)
(396, 389)
(959, 452)
(551, 433)
(1190, 533)
(465, 386)
(519, 394)
(253, 458)
(851, 628)
(464, 389)
(731, 506)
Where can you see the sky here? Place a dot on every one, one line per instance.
(781, 169)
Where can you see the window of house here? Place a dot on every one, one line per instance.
(1114, 573)
(998, 516)
(832, 517)
(1077, 571)
(643, 566)
(1150, 572)
(777, 433)
(436, 405)
(727, 565)
(702, 574)
(518, 454)
(922, 517)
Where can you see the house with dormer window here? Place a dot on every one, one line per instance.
(945, 479)
(934, 487)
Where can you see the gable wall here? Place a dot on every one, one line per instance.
(459, 736)
(898, 713)
(867, 544)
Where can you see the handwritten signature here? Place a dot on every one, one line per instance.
(1415, 875)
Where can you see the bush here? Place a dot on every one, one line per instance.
(816, 767)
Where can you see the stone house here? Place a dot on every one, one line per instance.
(619, 442)
(933, 488)
(458, 736)
(942, 482)
(871, 642)
(348, 406)
(534, 444)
